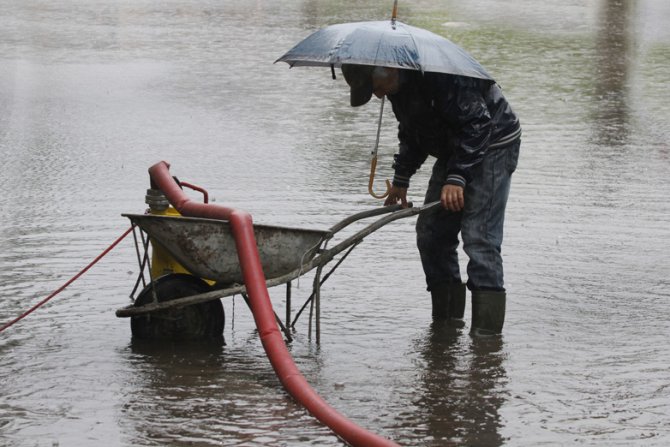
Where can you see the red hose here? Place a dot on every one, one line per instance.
(261, 307)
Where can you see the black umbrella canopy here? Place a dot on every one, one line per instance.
(383, 43)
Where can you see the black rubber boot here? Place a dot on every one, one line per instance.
(488, 312)
(449, 303)
(457, 301)
(439, 295)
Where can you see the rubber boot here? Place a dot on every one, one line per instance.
(488, 312)
(439, 295)
(449, 303)
(457, 301)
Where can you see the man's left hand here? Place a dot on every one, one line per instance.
(452, 197)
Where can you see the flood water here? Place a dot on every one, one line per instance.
(92, 93)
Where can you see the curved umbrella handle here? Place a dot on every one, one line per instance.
(373, 160)
(373, 167)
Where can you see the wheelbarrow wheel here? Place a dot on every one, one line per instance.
(197, 321)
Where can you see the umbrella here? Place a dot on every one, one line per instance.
(383, 43)
(387, 44)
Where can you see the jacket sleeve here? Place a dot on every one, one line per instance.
(408, 159)
(463, 106)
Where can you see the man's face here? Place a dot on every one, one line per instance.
(385, 81)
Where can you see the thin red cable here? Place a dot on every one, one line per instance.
(74, 278)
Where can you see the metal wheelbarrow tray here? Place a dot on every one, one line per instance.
(207, 249)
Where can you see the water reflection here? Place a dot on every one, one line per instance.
(197, 393)
(164, 377)
(613, 58)
(463, 387)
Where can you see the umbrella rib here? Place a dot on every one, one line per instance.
(379, 44)
(381, 40)
(418, 55)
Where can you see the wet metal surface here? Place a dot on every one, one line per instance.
(206, 247)
(92, 93)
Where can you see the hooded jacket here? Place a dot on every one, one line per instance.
(450, 117)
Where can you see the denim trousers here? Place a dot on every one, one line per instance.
(480, 223)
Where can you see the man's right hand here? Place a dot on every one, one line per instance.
(396, 194)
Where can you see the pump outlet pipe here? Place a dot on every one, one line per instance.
(259, 300)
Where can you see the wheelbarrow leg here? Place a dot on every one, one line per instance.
(283, 328)
(287, 322)
(310, 300)
(147, 262)
(141, 262)
(317, 303)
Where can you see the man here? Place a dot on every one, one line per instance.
(470, 128)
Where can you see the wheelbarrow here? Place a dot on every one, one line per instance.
(182, 298)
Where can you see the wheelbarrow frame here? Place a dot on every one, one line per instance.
(322, 256)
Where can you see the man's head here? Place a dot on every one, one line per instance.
(364, 80)
(359, 78)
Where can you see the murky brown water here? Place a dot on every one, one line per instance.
(94, 92)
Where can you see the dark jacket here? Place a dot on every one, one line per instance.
(449, 117)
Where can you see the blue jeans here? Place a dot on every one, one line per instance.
(480, 223)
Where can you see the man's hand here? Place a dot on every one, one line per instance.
(396, 194)
(452, 197)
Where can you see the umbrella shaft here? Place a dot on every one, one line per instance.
(394, 14)
(379, 128)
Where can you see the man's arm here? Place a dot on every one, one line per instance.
(408, 159)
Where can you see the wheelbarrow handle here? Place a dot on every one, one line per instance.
(365, 214)
(396, 212)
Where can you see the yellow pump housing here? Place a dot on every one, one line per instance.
(162, 262)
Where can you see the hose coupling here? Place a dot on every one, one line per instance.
(156, 200)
